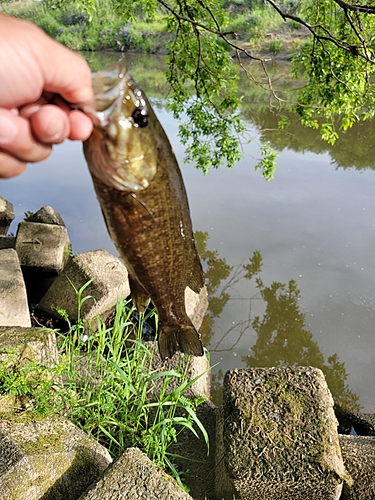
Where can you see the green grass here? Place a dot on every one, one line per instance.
(109, 388)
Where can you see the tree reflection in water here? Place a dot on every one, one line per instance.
(281, 334)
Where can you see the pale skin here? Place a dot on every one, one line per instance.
(34, 69)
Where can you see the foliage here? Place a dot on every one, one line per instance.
(337, 63)
(110, 389)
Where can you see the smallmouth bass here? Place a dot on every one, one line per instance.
(144, 203)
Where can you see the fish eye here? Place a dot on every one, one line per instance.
(140, 117)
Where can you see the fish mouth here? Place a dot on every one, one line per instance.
(122, 148)
(111, 87)
(106, 96)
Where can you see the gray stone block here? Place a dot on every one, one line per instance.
(196, 305)
(7, 241)
(193, 366)
(202, 464)
(46, 215)
(223, 487)
(363, 423)
(47, 458)
(280, 435)
(134, 477)
(109, 282)
(27, 345)
(6, 215)
(43, 246)
(31, 344)
(359, 460)
(14, 310)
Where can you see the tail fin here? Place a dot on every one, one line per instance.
(180, 338)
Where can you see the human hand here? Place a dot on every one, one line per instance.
(33, 70)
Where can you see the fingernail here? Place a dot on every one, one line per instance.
(8, 129)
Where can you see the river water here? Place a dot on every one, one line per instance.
(289, 263)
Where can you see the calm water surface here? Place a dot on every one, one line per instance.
(290, 263)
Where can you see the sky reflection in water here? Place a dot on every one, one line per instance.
(289, 262)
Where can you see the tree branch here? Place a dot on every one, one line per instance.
(353, 49)
(367, 9)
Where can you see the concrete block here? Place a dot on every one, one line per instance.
(46, 215)
(26, 345)
(14, 310)
(134, 477)
(223, 487)
(7, 241)
(196, 367)
(196, 305)
(192, 366)
(359, 459)
(6, 215)
(109, 283)
(47, 458)
(44, 246)
(192, 455)
(280, 435)
(31, 344)
(363, 423)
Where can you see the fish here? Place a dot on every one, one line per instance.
(143, 199)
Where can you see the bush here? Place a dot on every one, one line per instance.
(275, 46)
(69, 38)
(48, 24)
(125, 39)
(70, 20)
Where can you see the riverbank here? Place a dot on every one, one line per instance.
(260, 30)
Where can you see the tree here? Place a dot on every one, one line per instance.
(337, 63)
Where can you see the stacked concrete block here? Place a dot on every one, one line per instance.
(280, 435)
(108, 282)
(46, 215)
(134, 476)
(201, 461)
(14, 310)
(29, 344)
(6, 215)
(47, 459)
(7, 241)
(43, 246)
(196, 305)
(195, 368)
(21, 346)
(359, 460)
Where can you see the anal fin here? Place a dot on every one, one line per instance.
(139, 296)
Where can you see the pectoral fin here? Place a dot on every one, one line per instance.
(196, 279)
